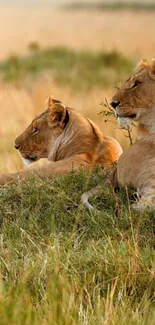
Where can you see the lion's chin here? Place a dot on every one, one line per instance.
(27, 162)
(124, 122)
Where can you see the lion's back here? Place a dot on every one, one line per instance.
(136, 164)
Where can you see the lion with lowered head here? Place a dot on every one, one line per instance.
(135, 101)
(67, 139)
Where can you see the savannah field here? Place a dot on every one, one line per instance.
(60, 264)
(129, 33)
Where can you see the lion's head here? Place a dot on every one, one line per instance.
(135, 100)
(36, 141)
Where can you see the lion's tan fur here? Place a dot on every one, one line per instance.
(136, 165)
(67, 139)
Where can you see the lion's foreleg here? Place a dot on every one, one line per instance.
(6, 179)
(49, 170)
(64, 166)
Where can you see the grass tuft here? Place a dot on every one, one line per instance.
(79, 70)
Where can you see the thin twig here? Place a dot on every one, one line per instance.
(129, 135)
(110, 112)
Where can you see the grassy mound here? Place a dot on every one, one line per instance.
(61, 264)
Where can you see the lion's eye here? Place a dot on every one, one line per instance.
(136, 84)
(35, 131)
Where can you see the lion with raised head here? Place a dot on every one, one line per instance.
(135, 101)
(67, 139)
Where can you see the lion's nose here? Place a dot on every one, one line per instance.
(115, 103)
(17, 146)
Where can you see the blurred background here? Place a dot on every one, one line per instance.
(77, 51)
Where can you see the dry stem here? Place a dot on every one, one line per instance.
(110, 112)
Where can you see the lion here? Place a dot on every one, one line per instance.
(67, 139)
(135, 101)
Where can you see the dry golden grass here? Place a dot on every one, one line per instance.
(130, 32)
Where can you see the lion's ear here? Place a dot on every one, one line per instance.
(52, 101)
(152, 67)
(152, 70)
(57, 114)
(142, 64)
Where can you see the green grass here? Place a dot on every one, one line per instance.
(116, 5)
(79, 70)
(61, 264)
